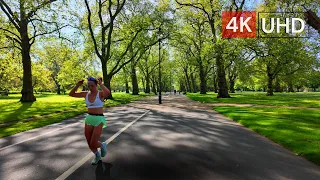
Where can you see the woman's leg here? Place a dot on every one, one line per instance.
(94, 142)
(88, 130)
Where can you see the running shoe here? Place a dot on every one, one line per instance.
(96, 160)
(103, 149)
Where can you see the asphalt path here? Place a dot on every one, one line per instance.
(180, 139)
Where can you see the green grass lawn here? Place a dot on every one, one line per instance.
(297, 130)
(299, 99)
(11, 109)
(54, 105)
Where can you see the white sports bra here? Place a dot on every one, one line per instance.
(96, 104)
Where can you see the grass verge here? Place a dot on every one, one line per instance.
(57, 107)
(297, 130)
(308, 99)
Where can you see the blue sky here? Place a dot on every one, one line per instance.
(252, 4)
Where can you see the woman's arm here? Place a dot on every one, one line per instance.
(105, 91)
(73, 92)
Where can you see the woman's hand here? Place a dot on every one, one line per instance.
(105, 91)
(73, 92)
(80, 82)
(100, 81)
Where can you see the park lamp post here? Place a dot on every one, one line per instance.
(160, 101)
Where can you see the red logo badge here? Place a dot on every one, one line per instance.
(240, 24)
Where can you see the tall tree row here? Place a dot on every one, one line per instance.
(48, 45)
(25, 21)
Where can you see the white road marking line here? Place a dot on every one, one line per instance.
(87, 157)
(6, 147)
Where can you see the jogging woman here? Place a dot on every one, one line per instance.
(95, 120)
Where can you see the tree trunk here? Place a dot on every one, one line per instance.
(27, 89)
(143, 84)
(215, 84)
(232, 85)
(106, 78)
(126, 81)
(182, 86)
(107, 83)
(148, 83)
(127, 87)
(154, 89)
(222, 82)
(290, 86)
(57, 84)
(270, 86)
(188, 88)
(58, 89)
(193, 84)
(277, 85)
(154, 84)
(187, 81)
(135, 88)
(203, 83)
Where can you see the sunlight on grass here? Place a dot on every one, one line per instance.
(15, 110)
(311, 100)
(12, 109)
(58, 107)
(297, 130)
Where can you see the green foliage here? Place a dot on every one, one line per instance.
(61, 62)
(293, 62)
(70, 73)
(313, 79)
(41, 79)
(10, 70)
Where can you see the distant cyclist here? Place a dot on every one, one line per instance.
(95, 120)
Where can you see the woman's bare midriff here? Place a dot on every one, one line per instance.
(95, 110)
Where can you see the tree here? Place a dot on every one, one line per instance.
(25, 24)
(237, 60)
(53, 56)
(125, 76)
(41, 80)
(148, 66)
(70, 72)
(127, 26)
(211, 10)
(313, 20)
(276, 56)
(8, 72)
(301, 63)
(309, 6)
(185, 62)
(314, 79)
(198, 41)
(10, 66)
(191, 42)
(135, 59)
